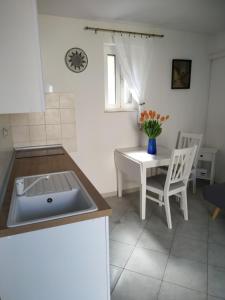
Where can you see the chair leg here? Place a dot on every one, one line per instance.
(194, 183)
(215, 213)
(184, 204)
(160, 199)
(168, 214)
(181, 204)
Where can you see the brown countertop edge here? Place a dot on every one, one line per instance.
(41, 161)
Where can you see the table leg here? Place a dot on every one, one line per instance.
(119, 183)
(143, 195)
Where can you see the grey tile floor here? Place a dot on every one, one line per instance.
(148, 261)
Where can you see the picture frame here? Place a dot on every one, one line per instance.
(181, 74)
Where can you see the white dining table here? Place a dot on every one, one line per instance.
(133, 164)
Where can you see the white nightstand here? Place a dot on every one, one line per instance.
(206, 164)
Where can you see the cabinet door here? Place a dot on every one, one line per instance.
(21, 86)
(68, 262)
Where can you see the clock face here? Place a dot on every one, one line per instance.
(76, 60)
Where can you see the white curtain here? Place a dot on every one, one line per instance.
(134, 55)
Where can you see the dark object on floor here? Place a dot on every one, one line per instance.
(215, 194)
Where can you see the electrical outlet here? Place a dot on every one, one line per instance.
(4, 133)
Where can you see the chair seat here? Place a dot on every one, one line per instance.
(157, 183)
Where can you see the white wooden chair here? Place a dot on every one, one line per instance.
(186, 140)
(189, 140)
(175, 182)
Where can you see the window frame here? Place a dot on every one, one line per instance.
(120, 105)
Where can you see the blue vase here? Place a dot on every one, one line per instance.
(152, 146)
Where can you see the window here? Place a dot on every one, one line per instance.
(117, 94)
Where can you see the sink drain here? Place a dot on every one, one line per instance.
(49, 200)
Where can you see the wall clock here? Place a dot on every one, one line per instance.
(76, 60)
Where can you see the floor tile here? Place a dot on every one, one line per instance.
(193, 230)
(217, 231)
(170, 291)
(147, 262)
(187, 273)
(216, 281)
(189, 249)
(155, 241)
(143, 247)
(115, 273)
(133, 286)
(133, 217)
(159, 225)
(200, 216)
(214, 298)
(119, 253)
(128, 232)
(216, 255)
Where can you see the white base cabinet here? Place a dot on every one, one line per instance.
(69, 262)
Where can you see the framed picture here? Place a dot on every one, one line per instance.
(181, 74)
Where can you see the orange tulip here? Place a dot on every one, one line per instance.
(150, 113)
(153, 114)
(142, 114)
(141, 119)
(167, 117)
(158, 116)
(162, 119)
(146, 117)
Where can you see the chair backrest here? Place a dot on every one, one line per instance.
(186, 140)
(180, 166)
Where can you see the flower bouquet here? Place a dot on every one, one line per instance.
(151, 123)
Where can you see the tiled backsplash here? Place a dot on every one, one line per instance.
(56, 125)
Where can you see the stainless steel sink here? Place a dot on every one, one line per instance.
(61, 195)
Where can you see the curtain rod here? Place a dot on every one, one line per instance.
(147, 35)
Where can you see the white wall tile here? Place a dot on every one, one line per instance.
(38, 143)
(53, 142)
(68, 131)
(22, 144)
(54, 126)
(20, 134)
(37, 118)
(52, 100)
(5, 119)
(69, 144)
(67, 101)
(19, 119)
(53, 132)
(67, 115)
(52, 116)
(37, 132)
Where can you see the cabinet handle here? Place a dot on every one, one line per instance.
(201, 155)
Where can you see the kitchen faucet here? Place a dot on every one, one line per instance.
(20, 185)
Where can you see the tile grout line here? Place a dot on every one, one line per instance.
(134, 247)
(123, 268)
(207, 280)
(157, 297)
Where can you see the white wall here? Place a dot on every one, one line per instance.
(6, 147)
(216, 121)
(99, 133)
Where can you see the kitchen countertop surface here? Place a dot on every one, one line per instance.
(42, 161)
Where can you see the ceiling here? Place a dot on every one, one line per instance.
(203, 16)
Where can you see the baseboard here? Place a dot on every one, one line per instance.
(114, 194)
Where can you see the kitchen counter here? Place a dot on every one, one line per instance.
(42, 161)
